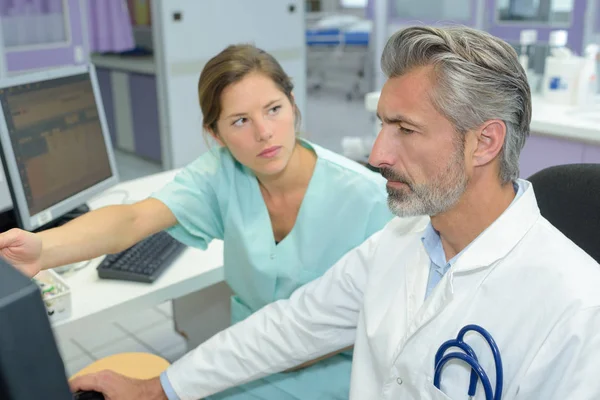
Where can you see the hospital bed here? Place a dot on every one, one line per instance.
(339, 56)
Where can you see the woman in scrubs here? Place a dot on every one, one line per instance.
(285, 208)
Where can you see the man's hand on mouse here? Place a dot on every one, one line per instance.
(119, 387)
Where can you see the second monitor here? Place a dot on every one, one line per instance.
(56, 148)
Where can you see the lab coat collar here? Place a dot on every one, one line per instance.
(502, 236)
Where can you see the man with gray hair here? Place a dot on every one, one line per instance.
(455, 115)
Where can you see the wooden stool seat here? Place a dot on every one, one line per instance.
(133, 365)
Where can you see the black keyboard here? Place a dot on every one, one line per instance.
(144, 261)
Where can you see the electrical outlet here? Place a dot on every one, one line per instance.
(78, 54)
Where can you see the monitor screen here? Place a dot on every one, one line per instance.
(55, 144)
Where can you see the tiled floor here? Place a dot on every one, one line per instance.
(149, 331)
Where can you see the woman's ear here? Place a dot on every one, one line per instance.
(215, 136)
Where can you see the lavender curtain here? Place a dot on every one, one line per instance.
(31, 7)
(110, 26)
(39, 22)
(32, 22)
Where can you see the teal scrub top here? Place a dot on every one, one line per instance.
(216, 197)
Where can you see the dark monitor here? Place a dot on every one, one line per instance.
(56, 149)
(30, 365)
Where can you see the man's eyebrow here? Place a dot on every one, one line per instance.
(396, 119)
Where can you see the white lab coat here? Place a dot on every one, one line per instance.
(521, 279)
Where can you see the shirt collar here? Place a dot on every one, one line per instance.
(433, 243)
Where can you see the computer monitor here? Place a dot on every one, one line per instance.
(30, 365)
(56, 149)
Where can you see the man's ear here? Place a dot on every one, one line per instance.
(490, 140)
(215, 136)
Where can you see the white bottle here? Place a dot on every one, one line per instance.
(561, 71)
(587, 84)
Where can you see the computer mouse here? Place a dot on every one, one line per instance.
(88, 395)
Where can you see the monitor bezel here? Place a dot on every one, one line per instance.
(20, 206)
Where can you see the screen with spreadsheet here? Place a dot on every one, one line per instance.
(56, 137)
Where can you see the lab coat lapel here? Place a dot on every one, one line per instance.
(503, 235)
(418, 310)
(435, 302)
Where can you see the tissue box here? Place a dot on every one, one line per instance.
(55, 294)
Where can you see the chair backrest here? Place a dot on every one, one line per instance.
(569, 197)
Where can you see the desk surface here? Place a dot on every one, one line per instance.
(95, 298)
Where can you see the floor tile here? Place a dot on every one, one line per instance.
(68, 350)
(125, 345)
(161, 337)
(77, 364)
(99, 336)
(174, 353)
(166, 308)
(141, 321)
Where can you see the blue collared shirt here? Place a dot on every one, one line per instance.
(433, 246)
(167, 387)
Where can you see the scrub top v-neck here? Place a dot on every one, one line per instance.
(215, 197)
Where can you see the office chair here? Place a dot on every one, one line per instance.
(569, 197)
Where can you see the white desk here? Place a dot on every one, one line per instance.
(95, 298)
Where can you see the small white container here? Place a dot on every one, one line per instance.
(55, 294)
(561, 72)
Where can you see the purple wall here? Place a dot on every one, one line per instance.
(511, 31)
(591, 154)
(18, 60)
(544, 151)
(397, 19)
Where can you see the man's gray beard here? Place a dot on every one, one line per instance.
(432, 198)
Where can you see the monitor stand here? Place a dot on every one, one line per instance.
(8, 219)
(71, 215)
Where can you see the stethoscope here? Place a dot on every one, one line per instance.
(470, 358)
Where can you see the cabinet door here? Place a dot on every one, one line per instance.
(42, 33)
(273, 25)
(144, 115)
(542, 151)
